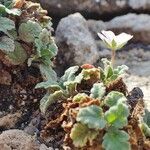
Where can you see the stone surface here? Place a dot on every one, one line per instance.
(17, 140)
(94, 7)
(87, 7)
(75, 42)
(137, 25)
(10, 120)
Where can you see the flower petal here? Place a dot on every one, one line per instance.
(122, 39)
(109, 35)
(105, 40)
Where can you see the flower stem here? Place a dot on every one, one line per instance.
(113, 57)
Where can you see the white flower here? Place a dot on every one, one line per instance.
(113, 41)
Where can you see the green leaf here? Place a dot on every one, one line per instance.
(29, 31)
(69, 74)
(120, 70)
(116, 140)
(80, 97)
(114, 45)
(6, 25)
(48, 74)
(92, 116)
(6, 44)
(18, 56)
(13, 11)
(46, 46)
(147, 117)
(48, 99)
(48, 85)
(113, 98)
(89, 73)
(117, 115)
(81, 134)
(98, 91)
(108, 71)
(145, 129)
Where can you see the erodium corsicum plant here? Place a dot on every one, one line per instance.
(114, 42)
(92, 119)
(95, 112)
(26, 34)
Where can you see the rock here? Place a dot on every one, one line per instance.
(139, 4)
(88, 7)
(17, 140)
(137, 25)
(96, 26)
(94, 8)
(10, 120)
(44, 147)
(75, 42)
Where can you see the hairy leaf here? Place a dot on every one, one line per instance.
(120, 70)
(45, 45)
(98, 91)
(6, 44)
(116, 140)
(91, 73)
(6, 25)
(29, 31)
(18, 56)
(48, 74)
(92, 116)
(80, 97)
(113, 98)
(147, 117)
(145, 129)
(69, 74)
(13, 11)
(48, 99)
(117, 115)
(81, 134)
(48, 85)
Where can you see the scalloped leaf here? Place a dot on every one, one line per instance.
(81, 134)
(117, 115)
(29, 31)
(6, 25)
(13, 11)
(113, 98)
(6, 44)
(80, 97)
(92, 116)
(121, 69)
(48, 74)
(115, 140)
(48, 99)
(69, 75)
(18, 56)
(91, 73)
(98, 91)
(147, 117)
(45, 44)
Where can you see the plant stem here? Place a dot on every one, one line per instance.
(113, 57)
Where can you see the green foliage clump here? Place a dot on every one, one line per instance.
(25, 36)
(93, 118)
